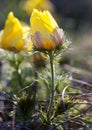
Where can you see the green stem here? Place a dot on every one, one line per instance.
(52, 86)
(35, 84)
(19, 76)
(16, 65)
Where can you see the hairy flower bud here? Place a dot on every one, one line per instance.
(38, 59)
(13, 36)
(46, 34)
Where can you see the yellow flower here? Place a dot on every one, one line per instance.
(28, 5)
(45, 31)
(14, 35)
(38, 59)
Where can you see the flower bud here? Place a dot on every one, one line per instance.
(46, 35)
(13, 36)
(58, 35)
(38, 59)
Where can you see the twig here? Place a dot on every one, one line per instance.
(84, 124)
(63, 100)
(77, 70)
(26, 87)
(64, 106)
(81, 82)
(13, 118)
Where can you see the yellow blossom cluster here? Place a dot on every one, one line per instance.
(43, 33)
(28, 5)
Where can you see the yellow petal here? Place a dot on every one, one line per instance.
(14, 35)
(42, 26)
(28, 5)
(42, 21)
(41, 42)
(26, 35)
(1, 33)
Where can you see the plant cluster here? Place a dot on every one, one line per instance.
(40, 92)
